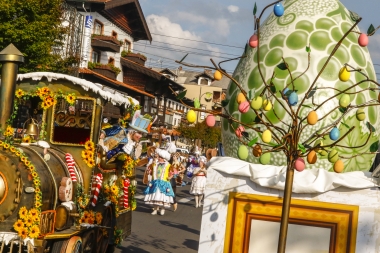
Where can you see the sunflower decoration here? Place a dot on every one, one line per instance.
(112, 193)
(28, 223)
(88, 154)
(70, 98)
(128, 166)
(8, 131)
(98, 218)
(20, 93)
(118, 236)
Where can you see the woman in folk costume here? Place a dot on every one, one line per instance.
(159, 192)
(198, 183)
(176, 168)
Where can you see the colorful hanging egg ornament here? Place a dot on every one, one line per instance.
(257, 150)
(210, 120)
(360, 114)
(218, 75)
(333, 156)
(267, 136)
(293, 98)
(240, 98)
(344, 74)
(339, 166)
(299, 164)
(267, 105)
(344, 100)
(265, 159)
(243, 152)
(334, 134)
(253, 41)
(191, 116)
(257, 103)
(312, 118)
(239, 131)
(278, 10)
(312, 157)
(363, 40)
(244, 107)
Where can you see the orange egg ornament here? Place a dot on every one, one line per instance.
(312, 157)
(339, 166)
(312, 118)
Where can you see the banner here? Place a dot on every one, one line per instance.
(87, 40)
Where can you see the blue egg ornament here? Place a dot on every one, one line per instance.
(293, 98)
(334, 134)
(278, 9)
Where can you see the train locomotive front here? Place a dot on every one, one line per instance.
(58, 191)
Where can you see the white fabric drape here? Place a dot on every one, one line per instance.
(307, 181)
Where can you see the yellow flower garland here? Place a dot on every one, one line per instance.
(28, 224)
(88, 154)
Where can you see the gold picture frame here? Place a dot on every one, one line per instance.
(92, 122)
(243, 208)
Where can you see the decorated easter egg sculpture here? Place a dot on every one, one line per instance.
(308, 27)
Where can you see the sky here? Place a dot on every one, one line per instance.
(219, 29)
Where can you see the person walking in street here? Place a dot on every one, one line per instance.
(176, 169)
(198, 183)
(159, 192)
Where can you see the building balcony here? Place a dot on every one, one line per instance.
(106, 70)
(138, 58)
(105, 43)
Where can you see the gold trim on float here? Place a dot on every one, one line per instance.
(243, 208)
(61, 235)
(92, 123)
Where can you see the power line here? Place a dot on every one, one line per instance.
(183, 51)
(187, 47)
(211, 43)
(229, 71)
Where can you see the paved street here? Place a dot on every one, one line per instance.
(174, 232)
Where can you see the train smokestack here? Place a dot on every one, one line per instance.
(10, 57)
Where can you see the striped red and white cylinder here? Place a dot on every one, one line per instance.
(127, 183)
(71, 166)
(97, 184)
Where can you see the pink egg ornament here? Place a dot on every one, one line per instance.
(253, 41)
(244, 107)
(299, 164)
(239, 131)
(210, 120)
(363, 40)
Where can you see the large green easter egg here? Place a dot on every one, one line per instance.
(320, 25)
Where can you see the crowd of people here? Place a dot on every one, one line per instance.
(165, 172)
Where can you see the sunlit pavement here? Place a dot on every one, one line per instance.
(174, 232)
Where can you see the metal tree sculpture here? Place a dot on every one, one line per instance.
(287, 139)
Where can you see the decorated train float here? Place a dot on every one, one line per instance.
(66, 183)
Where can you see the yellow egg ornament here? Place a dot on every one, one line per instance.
(267, 136)
(344, 74)
(191, 116)
(218, 75)
(267, 105)
(240, 98)
(312, 118)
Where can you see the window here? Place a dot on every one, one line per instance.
(216, 96)
(114, 34)
(203, 81)
(127, 45)
(95, 56)
(98, 27)
(202, 113)
(73, 124)
(111, 61)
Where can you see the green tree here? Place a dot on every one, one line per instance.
(209, 136)
(34, 27)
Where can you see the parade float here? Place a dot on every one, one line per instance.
(59, 190)
(300, 130)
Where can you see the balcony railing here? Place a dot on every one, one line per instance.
(105, 43)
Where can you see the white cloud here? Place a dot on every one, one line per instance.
(176, 39)
(233, 8)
